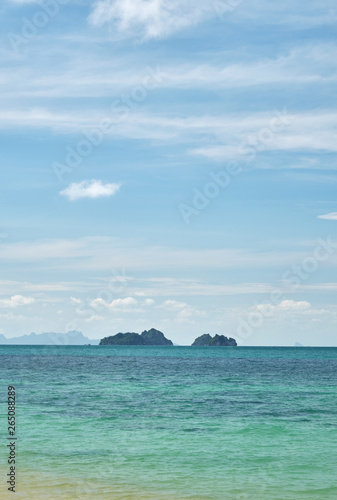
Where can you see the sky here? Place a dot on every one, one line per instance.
(169, 164)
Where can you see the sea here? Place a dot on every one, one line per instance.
(171, 423)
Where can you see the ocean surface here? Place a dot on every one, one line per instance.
(172, 423)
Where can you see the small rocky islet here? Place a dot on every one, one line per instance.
(156, 337)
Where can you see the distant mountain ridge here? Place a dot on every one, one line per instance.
(50, 338)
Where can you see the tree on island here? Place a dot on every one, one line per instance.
(129, 338)
(155, 337)
(218, 340)
(148, 337)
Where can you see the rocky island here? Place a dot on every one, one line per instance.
(218, 340)
(148, 337)
(155, 337)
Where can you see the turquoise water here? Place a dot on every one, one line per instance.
(142, 422)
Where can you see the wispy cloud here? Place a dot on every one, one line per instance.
(111, 253)
(160, 18)
(12, 287)
(150, 18)
(24, 1)
(89, 189)
(331, 216)
(74, 300)
(97, 76)
(308, 131)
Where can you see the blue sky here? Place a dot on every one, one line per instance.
(169, 164)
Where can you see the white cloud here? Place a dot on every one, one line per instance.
(298, 66)
(89, 189)
(94, 317)
(156, 287)
(174, 305)
(150, 18)
(160, 18)
(75, 301)
(149, 302)
(185, 314)
(98, 76)
(16, 301)
(114, 304)
(13, 317)
(24, 1)
(111, 253)
(188, 315)
(307, 132)
(11, 287)
(321, 287)
(191, 287)
(292, 305)
(331, 216)
(289, 309)
(286, 306)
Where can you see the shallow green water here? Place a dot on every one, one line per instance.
(174, 422)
